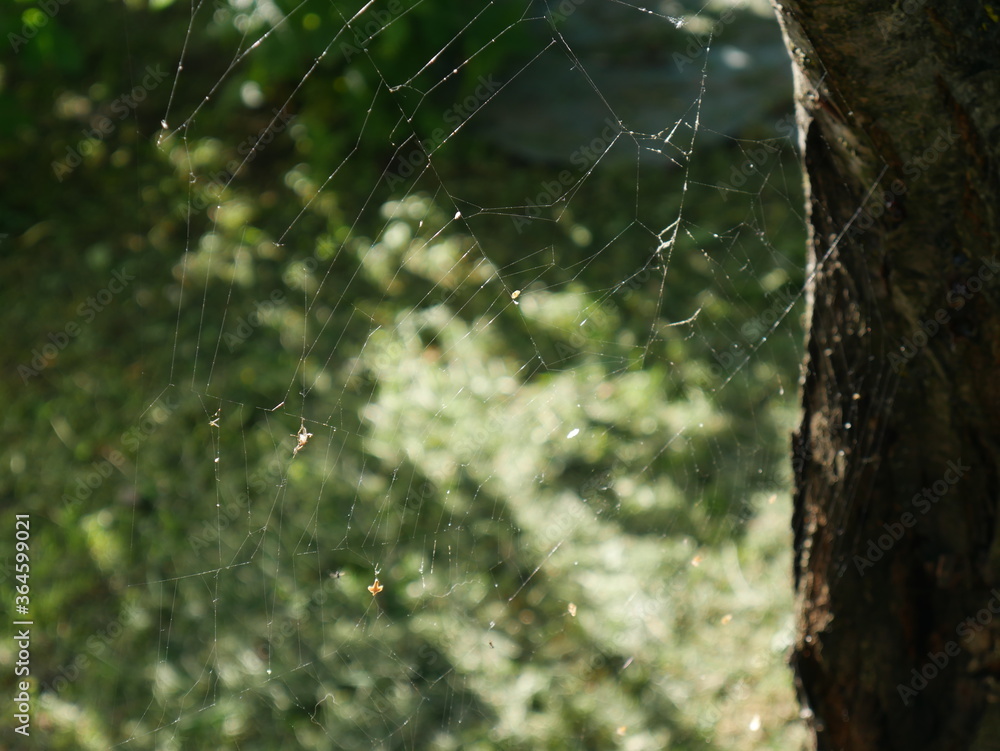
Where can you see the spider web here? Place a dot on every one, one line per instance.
(483, 335)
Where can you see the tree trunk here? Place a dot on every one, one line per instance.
(897, 458)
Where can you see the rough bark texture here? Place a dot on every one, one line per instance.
(897, 459)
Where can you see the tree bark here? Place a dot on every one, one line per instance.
(897, 458)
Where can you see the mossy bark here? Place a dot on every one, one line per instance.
(897, 458)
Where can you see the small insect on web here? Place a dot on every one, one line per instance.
(303, 437)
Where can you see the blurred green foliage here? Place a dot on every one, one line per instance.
(556, 433)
